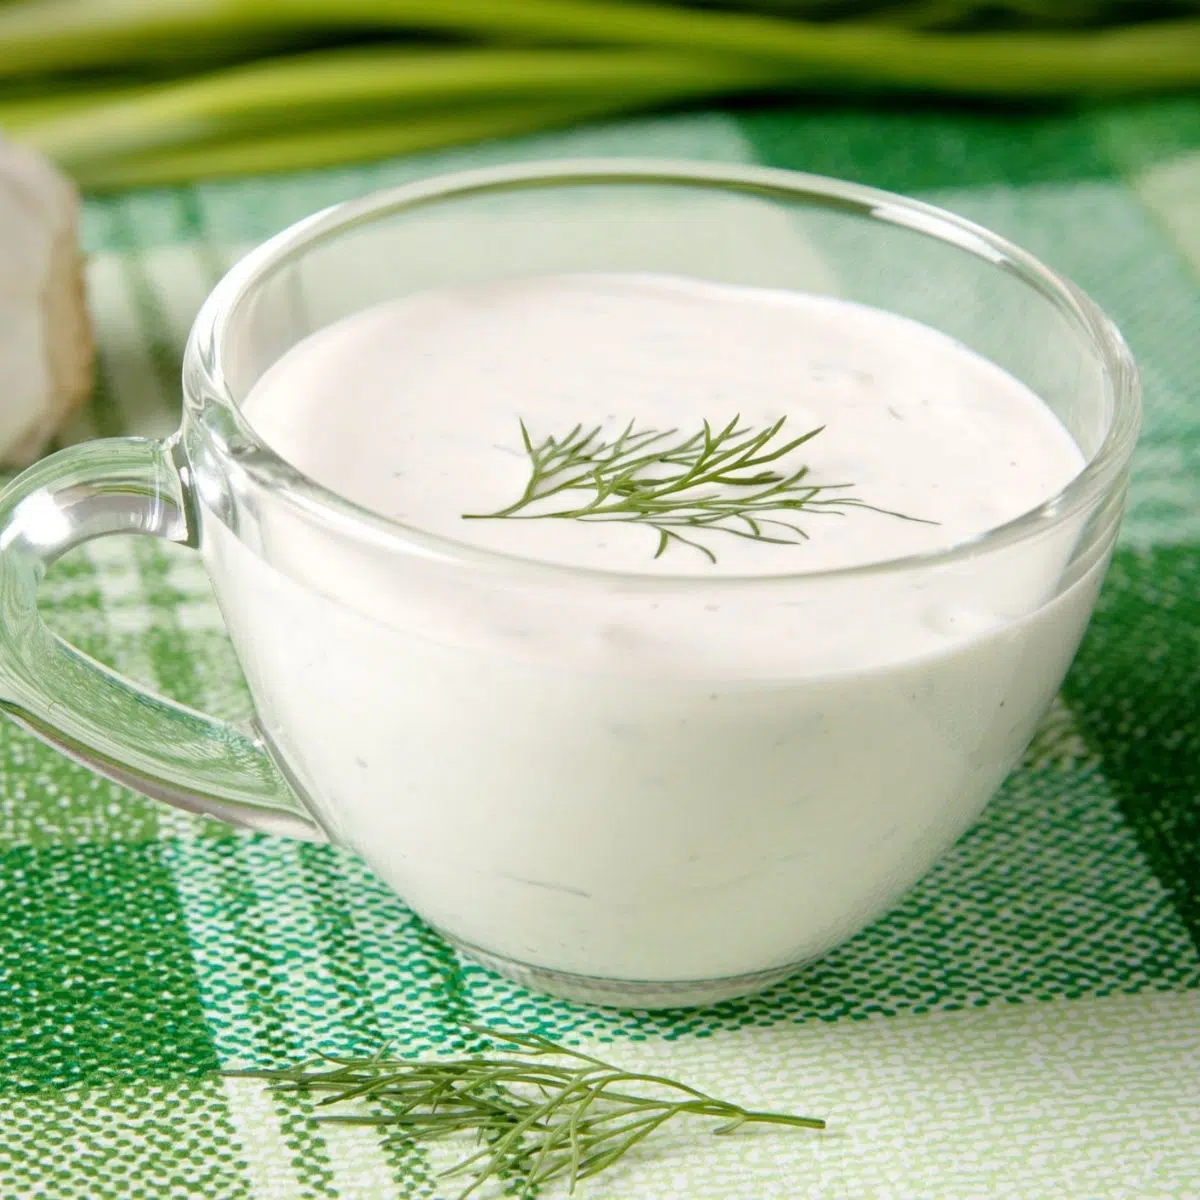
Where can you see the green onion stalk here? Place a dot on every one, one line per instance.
(135, 92)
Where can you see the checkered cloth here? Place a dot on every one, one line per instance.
(1025, 1024)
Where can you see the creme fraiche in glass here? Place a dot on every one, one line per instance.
(649, 568)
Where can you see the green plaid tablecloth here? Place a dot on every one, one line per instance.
(1025, 1024)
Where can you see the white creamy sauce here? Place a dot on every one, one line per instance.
(412, 409)
(619, 780)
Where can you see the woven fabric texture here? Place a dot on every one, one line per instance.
(1025, 1024)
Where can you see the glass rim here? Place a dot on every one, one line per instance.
(313, 500)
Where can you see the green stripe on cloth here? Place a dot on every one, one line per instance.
(1139, 137)
(1026, 1023)
(96, 968)
(1136, 688)
(918, 152)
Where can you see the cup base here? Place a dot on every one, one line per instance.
(625, 993)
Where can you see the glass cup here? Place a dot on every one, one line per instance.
(588, 811)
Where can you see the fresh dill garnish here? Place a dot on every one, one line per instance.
(730, 480)
(539, 1113)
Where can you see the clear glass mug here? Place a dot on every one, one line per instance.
(586, 811)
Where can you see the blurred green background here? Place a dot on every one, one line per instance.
(127, 93)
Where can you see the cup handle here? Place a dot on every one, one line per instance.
(162, 749)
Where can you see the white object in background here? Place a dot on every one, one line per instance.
(45, 331)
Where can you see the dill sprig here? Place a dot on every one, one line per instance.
(539, 1113)
(729, 480)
